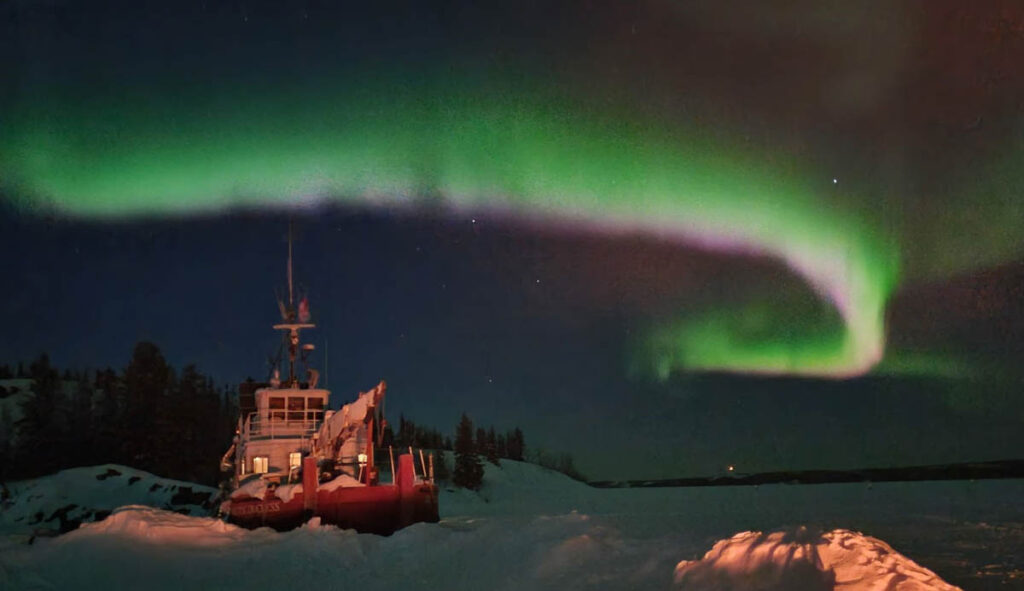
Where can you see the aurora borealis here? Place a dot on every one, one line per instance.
(520, 157)
(818, 162)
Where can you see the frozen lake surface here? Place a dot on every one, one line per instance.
(530, 528)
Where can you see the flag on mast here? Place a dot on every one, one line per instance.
(304, 309)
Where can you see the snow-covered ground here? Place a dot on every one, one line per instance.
(53, 504)
(530, 528)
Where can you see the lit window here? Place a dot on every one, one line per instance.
(294, 459)
(260, 465)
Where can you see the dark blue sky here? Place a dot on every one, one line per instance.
(527, 326)
(451, 313)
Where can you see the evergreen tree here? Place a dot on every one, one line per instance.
(502, 446)
(516, 446)
(491, 450)
(149, 433)
(37, 428)
(6, 450)
(481, 440)
(441, 471)
(80, 423)
(109, 411)
(189, 411)
(469, 472)
(406, 435)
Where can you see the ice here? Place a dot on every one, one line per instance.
(531, 528)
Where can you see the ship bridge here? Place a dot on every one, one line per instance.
(279, 429)
(285, 413)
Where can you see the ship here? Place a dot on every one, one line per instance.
(293, 459)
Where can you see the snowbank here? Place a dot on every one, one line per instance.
(519, 488)
(61, 501)
(146, 524)
(802, 560)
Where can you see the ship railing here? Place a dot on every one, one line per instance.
(385, 461)
(423, 463)
(282, 424)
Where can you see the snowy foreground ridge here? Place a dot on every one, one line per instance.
(528, 528)
(803, 560)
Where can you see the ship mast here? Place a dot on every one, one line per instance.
(291, 298)
(293, 322)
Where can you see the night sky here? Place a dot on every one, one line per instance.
(664, 237)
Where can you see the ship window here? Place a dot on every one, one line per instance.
(294, 459)
(315, 407)
(260, 464)
(277, 407)
(296, 404)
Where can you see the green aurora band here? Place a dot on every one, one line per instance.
(530, 156)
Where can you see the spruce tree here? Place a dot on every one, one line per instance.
(516, 447)
(109, 414)
(6, 435)
(502, 447)
(149, 433)
(491, 451)
(80, 423)
(441, 471)
(481, 440)
(37, 428)
(469, 472)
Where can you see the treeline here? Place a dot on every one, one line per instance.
(148, 416)
(472, 446)
(487, 442)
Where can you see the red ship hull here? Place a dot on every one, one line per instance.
(380, 509)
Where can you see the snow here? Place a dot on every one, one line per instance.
(530, 528)
(43, 506)
(803, 559)
(157, 526)
(342, 481)
(257, 488)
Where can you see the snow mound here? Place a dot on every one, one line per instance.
(60, 502)
(342, 481)
(518, 488)
(802, 560)
(147, 524)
